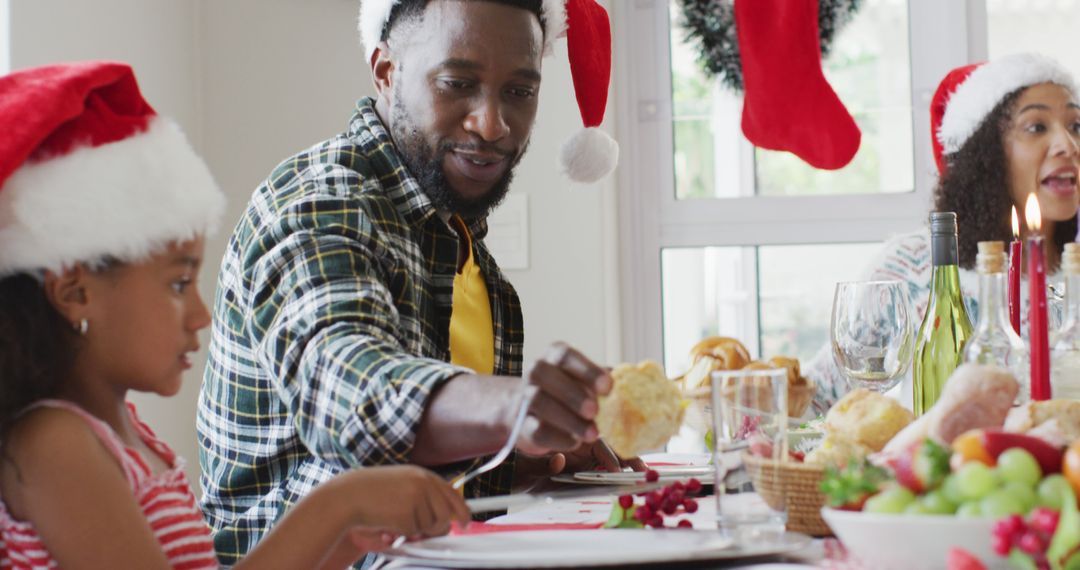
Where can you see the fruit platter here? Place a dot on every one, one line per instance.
(975, 483)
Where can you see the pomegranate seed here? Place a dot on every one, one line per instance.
(1044, 520)
(678, 486)
(1031, 543)
(626, 501)
(656, 521)
(1001, 545)
(685, 523)
(690, 505)
(693, 486)
(654, 500)
(652, 476)
(677, 497)
(643, 513)
(669, 507)
(1009, 526)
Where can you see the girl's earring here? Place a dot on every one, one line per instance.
(82, 327)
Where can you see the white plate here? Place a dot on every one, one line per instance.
(873, 539)
(704, 473)
(572, 548)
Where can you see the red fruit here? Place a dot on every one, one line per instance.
(685, 523)
(797, 456)
(652, 476)
(960, 559)
(677, 497)
(677, 486)
(643, 513)
(1008, 526)
(1031, 543)
(654, 500)
(693, 486)
(656, 521)
(690, 505)
(921, 467)
(1044, 520)
(626, 501)
(996, 441)
(1001, 545)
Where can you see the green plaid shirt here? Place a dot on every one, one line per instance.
(331, 331)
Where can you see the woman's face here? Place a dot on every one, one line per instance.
(1042, 149)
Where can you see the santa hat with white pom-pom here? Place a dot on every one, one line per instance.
(590, 154)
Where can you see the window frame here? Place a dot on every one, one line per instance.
(942, 35)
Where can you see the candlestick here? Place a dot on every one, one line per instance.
(1038, 333)
(1015, 254)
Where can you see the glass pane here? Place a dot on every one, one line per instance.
(1044, 26)
(869, 68)
(719, 290)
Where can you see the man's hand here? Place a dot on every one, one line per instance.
(562, 412)
(596, 456)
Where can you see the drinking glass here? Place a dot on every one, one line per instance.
(872, 332)
(749, 413)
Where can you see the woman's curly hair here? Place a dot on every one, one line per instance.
(37, 347)
(975, 186)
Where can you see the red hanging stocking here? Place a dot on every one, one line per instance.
(788, 105)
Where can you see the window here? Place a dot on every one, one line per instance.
(1046, 26)
(5, 38)
(718, 237)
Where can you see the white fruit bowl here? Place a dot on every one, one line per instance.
(906, 542)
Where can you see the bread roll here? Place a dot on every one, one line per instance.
(642, 411)
(867, 418)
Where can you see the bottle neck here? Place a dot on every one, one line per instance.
(993, 309)
(1072, 297)
(943, 250)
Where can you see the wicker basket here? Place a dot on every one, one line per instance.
(795, 484)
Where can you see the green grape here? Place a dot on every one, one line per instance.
(935, 502)
(1022, 493)
(1053, 490)
(1017, 465)
(889, 501)
(970, 509)
(1001, 503)
(976, 481)
(917, 508)
(951, 489)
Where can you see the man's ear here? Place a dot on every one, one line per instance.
(382, 69)
(67, 291)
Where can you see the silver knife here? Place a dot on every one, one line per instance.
(503, 502)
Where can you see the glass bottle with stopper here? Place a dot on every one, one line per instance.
(1065, 346)
(994, 341)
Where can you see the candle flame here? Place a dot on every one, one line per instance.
(1015, 224)
(1032, 215)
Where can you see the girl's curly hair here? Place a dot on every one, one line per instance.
(975, 186)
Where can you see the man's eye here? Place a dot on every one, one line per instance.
(181, 285)
(523, 92)
(455, 84)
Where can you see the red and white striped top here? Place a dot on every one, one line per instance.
(166, 499)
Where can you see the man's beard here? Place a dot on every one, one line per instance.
(427, 167)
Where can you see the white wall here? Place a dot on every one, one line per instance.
(253, 81)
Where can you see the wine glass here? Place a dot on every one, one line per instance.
(872, 332)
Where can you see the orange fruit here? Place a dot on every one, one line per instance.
(969, 447)
(1070, 466)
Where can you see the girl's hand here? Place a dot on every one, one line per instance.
(403, 500)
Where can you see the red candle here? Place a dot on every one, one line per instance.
(1015, 248)
(1038, 333)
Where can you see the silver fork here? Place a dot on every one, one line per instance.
(528, 392)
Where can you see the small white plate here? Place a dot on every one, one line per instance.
(705, 474)
(573, 548)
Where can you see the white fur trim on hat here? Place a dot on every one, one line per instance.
(375, 13)
(987, 85)
(589, 155)
(126, 199)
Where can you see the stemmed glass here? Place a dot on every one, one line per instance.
(872, 332)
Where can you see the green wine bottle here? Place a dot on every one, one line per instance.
(939, 345)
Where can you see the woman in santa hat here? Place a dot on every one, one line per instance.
(1002, 130)
(103, 209)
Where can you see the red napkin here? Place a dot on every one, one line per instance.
(484, 528)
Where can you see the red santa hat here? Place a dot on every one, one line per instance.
(88, 170)
(970, 92)
(590, 154)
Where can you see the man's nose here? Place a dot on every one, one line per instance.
(487, 121)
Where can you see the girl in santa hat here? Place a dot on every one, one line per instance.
(1002, 130)
(103, 209)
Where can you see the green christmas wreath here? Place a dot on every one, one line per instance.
(711, 25)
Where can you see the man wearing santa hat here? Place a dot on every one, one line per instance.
(359, 318)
